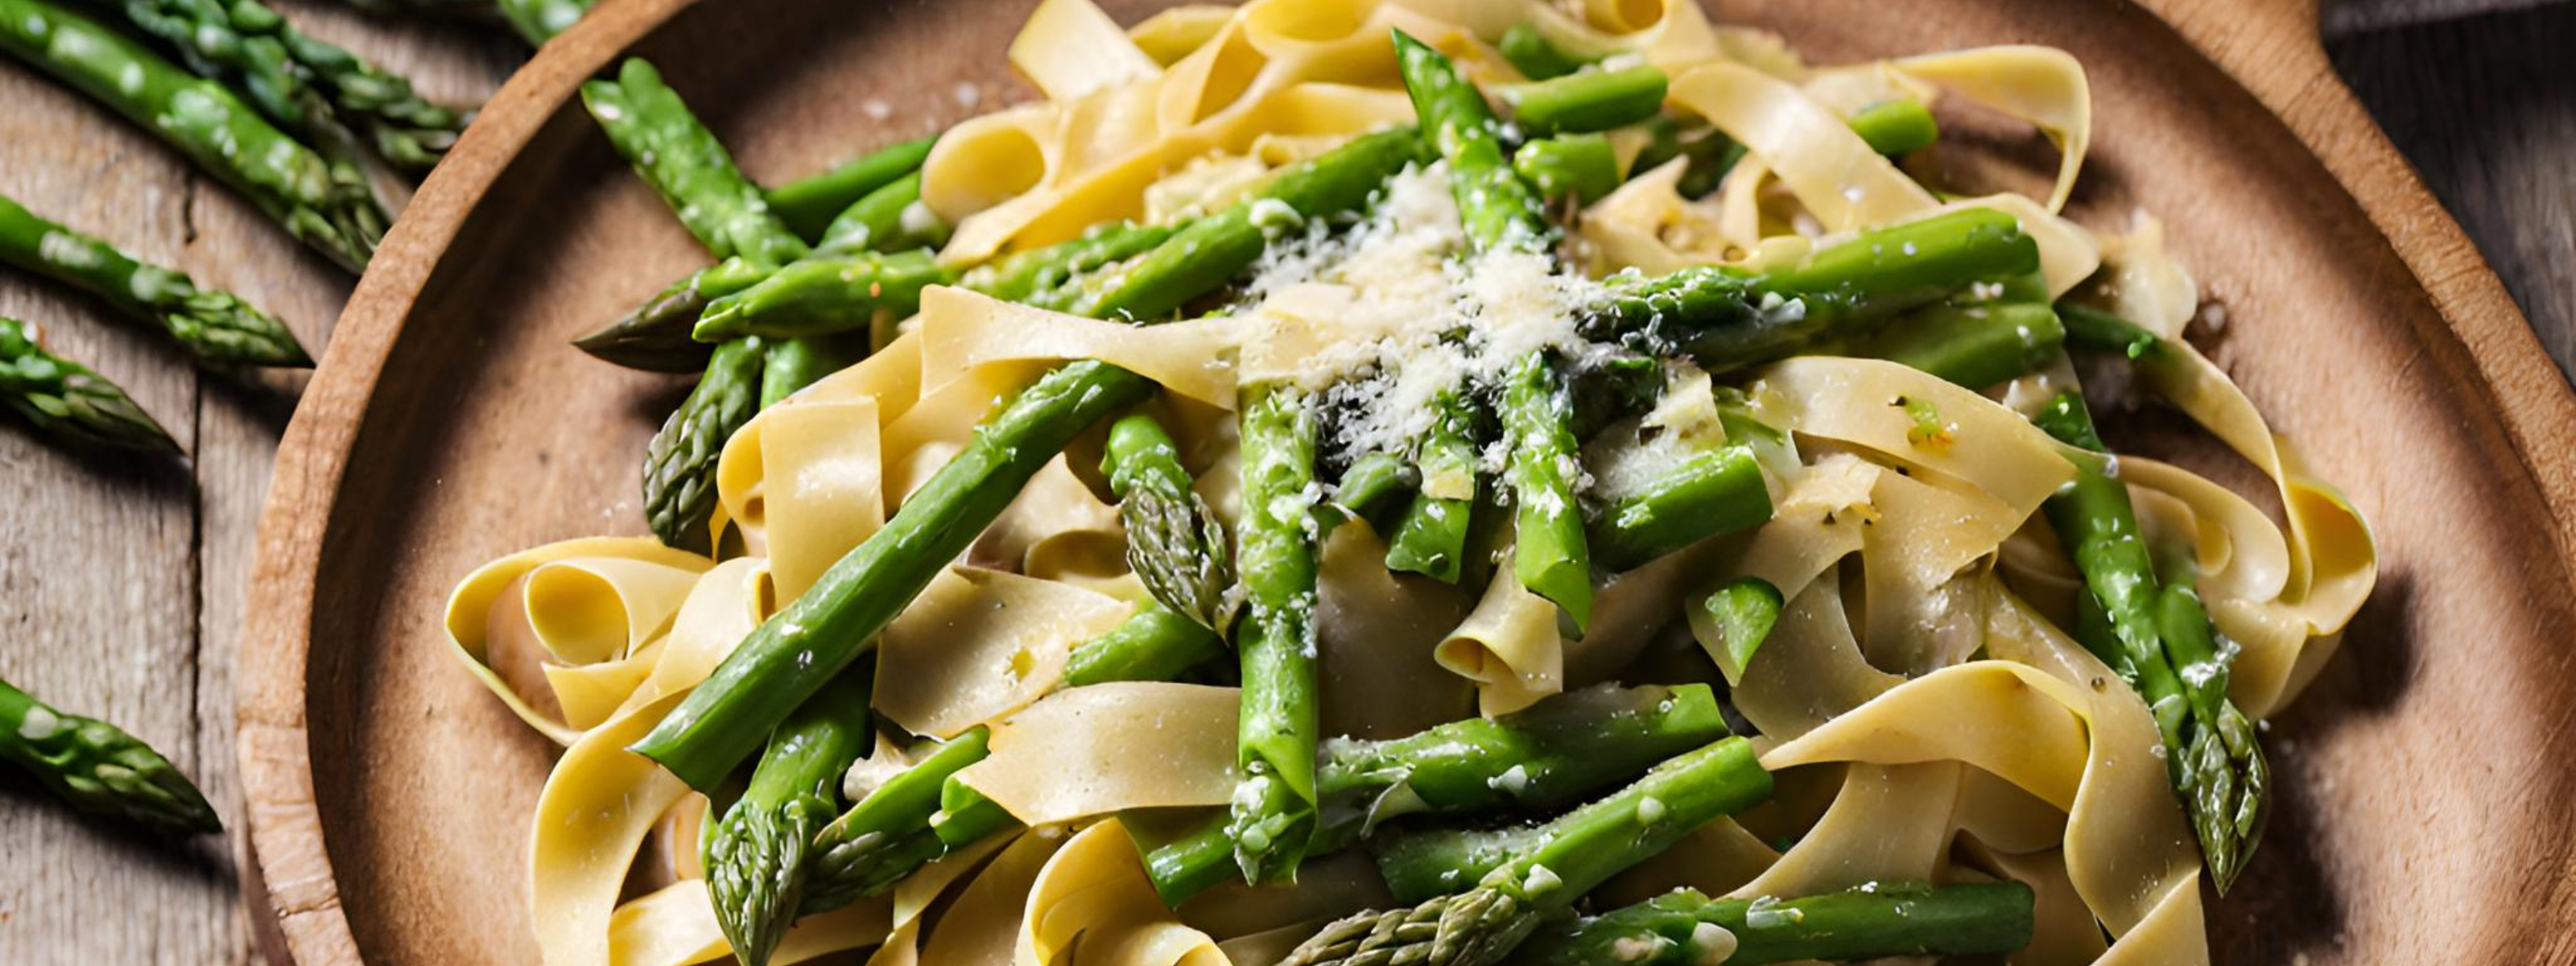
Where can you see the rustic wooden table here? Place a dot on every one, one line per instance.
(122, 580)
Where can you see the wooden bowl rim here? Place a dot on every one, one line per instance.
(2271, 48)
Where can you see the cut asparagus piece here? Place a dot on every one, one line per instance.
(1687, 928)
(1273, 812)
(759, 854)
(1548, 868)
(790, 655)
(97, 768)
(1431, 540)
(792, 364)
(1586, 101)
(1718, 491)
(1374, 486)
(1583, 167)
(66, 399)
(1548, 755)
(1174, 543)
(809, 205)
(1022, 276)
(1975, 346)
(293, 185)
(1743, 611)
(1894, 127)
(822, 295)
(889, 219)
(1727, 319)
(1536, 56)
(216, 326)
(1153, 644)
(886, 835)
(2163, 647)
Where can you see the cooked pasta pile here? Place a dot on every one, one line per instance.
(1473, 535)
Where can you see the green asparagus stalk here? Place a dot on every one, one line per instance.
(2094, 330)
(680, 463)
(1587, 100)
(1154, 644)
(889, 219)
(1374, 486)
(318, 90)
(1974, 346)
(1203, 256)
(66, 399)
(2163, 646)
(1536, 56)
(1546, 756)
(98, 768)
(822, 295)
(1717, 491)
(788, 657)
(1022, 276)
(1744, 610)
(758, 855)
(887, 834)
(1174, 543)
(1727, 319)
(1710, 153)
(1552, 866)
(656, 336)
(809, 205)
(1583, 167)
(1687, 928)
(681, 159)
(1895, 127)
(1501, 212)
(538, 21)
(217, 326)
(295, 186)
(1273, 813)
(1431, 539)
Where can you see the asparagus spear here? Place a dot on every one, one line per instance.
(1372, 486)
(320, 91)
(758, 855)
(793, 364)
(1587, 100)
(98, 768)
(1154, 644)
(1727, 319)
(1893, 127)
(1715, 492)
(1744, 611)
(538, 21)
(2094, 330)
(683, 161)
(2163, 647)
(886, 835)
(1710, 152)
(1536, 56)
(1431, 539)
(789, 656)
(1974, 346)
(823, 295)
(217, 326)
(1023, 275)
(1546, 756)
(1273, 812)
(809, 205)
(290, 182)
(1501, 212)
(66, 399)
(1686, 928)
(656, 336)
(1174, 543)
(889, 219)
(1583, 167)
(1552, 866)
(680, 462)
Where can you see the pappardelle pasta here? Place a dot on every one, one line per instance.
(1456, 482)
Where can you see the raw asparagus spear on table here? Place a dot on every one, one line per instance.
(2171, 659)
(1547, 868)
(66, 399)
(1548, 755)
(758, 854)
(832, 623)
(96, 767)
(1501, 212)
(1686, 928)
(289, 181)
(322, 92)
(216, 326)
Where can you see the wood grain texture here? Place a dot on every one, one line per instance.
(122, 582)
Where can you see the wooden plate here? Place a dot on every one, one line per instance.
(2423, 812)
